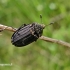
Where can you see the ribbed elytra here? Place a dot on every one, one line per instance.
(27, 34)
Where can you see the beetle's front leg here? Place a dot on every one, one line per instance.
(33, 33)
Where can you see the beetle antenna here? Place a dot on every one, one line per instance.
(50, 23)
(41, 18)
(43, 24)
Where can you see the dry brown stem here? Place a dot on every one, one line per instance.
(47, 39)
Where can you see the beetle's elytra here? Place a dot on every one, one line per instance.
(27, 34)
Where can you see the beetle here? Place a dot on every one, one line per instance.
(27, 34)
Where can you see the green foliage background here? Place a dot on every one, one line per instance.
(39, 55)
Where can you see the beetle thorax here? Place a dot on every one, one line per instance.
(38, 29)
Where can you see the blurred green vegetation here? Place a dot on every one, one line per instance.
(39, 55)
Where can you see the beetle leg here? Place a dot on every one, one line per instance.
(33, 33)
(25, 24)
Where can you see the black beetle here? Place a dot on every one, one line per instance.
(27, 34)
